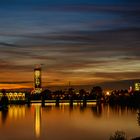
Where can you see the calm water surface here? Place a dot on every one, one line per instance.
(95, 122)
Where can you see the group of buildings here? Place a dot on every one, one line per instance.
(21, 95)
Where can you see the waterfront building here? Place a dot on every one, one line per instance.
(37, 80)
(14, 96)
(137, 86)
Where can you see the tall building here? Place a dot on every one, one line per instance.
(37, 77)
(137, 86)
(37, 80)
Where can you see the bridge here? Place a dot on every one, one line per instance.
(20, 98)
(62, 101)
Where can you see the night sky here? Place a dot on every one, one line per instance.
(82, 41)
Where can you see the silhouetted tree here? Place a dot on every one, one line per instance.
(137, 138)
(4, 100)
(96, 92)
(82, 93)
(119, 135)
(47, 94)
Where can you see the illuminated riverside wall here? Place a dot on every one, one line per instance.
(15, 96)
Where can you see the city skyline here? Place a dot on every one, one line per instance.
(85, 42)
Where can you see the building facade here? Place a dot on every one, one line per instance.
(137, 86)
(37, 80)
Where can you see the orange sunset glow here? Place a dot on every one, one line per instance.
(78, 43)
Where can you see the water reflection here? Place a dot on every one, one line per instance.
(97, 110)
(37, 121)
(50, 122)
(4, 114)
(138, 117)
(16, 112)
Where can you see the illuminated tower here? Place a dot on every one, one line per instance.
(37, 79)
(137, 86)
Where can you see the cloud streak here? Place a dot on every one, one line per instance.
(84, 44)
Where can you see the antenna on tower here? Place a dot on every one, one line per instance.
(69, 84)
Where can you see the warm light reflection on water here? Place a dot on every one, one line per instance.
(16, 112)
(37, 120)
(94, 122)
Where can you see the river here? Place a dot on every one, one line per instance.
(93, 122)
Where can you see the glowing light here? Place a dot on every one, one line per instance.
(14, 96)
(137, 86)
(107, 93)
(130, 89)
(37, 90)
(37, 77)
(37, 121)
(16, 112)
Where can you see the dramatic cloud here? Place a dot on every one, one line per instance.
(85, 42)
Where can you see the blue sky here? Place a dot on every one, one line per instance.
(53, 2)
(87, 41)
